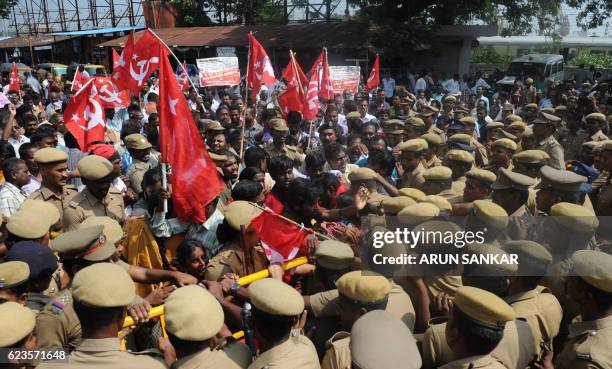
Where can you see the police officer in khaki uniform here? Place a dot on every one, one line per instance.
(529, 163)
(414, 127)
(540, 308)
(194, 316)
(140, 150)
(501, 156)
(431, 158)
(57, 325)
(358, 293)
(53, 166)
(366, 177)
(517, 347)
(17, 327)
(560, 186)
(460, 162)
(439, 181)
(478, 184)
(394, 132)
(594, 123)
(13, 281)
(511, 192)
(543, 129)
(394, 205)
(232, 257)
(98, 198)
(101, 294)
(430, 127)
(326, 304)
(603, 206)
(279, 130)
(411, 157)
(379, 341)
(475, 327)
(589, 339)
(276, 303)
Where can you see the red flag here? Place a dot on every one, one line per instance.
(293, 68)
(79, 80)
(260, 68)
(184, 78)
(14, 79)
(136, 65)
(116, 58)
(109, 95)
(311, 105)
(374, 78)
(325, 87)
(280, 239)
(121, 68)
(195, 180)
(84, 116)
(291, 100)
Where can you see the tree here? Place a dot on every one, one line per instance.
(593, 13)
(5, 7)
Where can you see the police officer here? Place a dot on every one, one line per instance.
(380, 341)
(193, 317)
(98, 198)
(279, 130)
(16, 330)
(277, 308)
(394, 205)
(560, 186)
(13, 281)
(414, 127)
(42, 264)
(233, 257)
(594, 123)
(591, 288)
(511, 192)
(543, 129)
(478, 184)
(460, 162)
(469, 128)
(475, 327)
(140, 150)
(53, 166)
(101, 294)
(536, 304)
(439, 181)
(411, 156)
(501, 156)
(431, 158)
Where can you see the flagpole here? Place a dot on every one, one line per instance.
(291, 221)
(246, 98)
(295, 71)
(175, 58)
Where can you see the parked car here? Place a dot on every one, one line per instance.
(533, 65)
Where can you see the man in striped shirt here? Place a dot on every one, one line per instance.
(16, 176)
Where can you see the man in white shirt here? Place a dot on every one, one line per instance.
(33, 82)
(16, 175)
(451, 85)
(388, 85)
(362, 107)
(17, 137)
(420, 84)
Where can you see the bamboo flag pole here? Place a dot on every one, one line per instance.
(246, 280)
(246, 97)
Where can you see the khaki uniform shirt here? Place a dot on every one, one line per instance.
(433, 162)
(482, 158)
(324, 304)
(57, 325)
(474, 362)
(413, 179)
(543, 314)
(85, 205)
(515, 350)
(459, 185)
(603, 206)
(105, 353)
(136, 172)
(572, 142)
(234, 356)
(438, 131)
(376, 198)
(230, 259)
(554, 150)
(60, 202)
(588, 346)
(338, 354)
(37, 301)
(290, 151)
(598, 137)
(295, 352)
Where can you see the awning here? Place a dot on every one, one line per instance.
(39, 40)
(97, 31)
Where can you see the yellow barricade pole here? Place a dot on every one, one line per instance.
(246, 280)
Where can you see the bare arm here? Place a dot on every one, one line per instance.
(10, 123)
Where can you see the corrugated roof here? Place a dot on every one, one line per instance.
(316, 35)
(568, 41)
(39, 40)
(97, 31)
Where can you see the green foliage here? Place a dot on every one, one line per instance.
(5, 7)
(599, 61)
(488, 55)
(593, 13)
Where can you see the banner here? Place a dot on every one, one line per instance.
(218, 71)
(344, 78)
